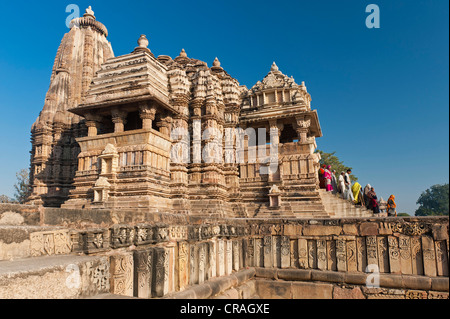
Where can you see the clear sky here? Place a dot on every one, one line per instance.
(381, 94)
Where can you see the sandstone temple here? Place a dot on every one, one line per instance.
(161, 177)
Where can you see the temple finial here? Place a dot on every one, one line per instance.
(142, 41)
(89, 12)
(216, 62)
(274, 67)
(183, 54)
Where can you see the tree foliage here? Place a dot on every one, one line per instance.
(433, 201)
(22, 186)
(332, 160)
(6, 199)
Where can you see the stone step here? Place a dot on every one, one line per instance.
(54, 277)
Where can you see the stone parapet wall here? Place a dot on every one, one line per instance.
(176, 257)
(170, 254)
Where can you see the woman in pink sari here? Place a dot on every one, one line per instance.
(327, 175)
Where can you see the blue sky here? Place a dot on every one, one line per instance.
(381, 94)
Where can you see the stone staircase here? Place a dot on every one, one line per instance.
(338, 207)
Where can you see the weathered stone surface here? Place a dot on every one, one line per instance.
(306, 290)
(348, 293)
(143, 273)
(350, 229)
(319, 230)
(291, 274)
(368, 229)
(439, 284)
(429, 256)
(273, 289)
(122, 274)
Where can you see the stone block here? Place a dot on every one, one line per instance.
(416, 255)
(228, 257)
(321, 254)
(220, 259)
(347, 293)
(321, 230)
(183, 264)
(394, 255)
(143, 262)
(441, 258)
(268, 253)
(416, 282)
(143, 234)
(429, 256)
(440, 232)
(312, 254)
(350, 229)
(372, 251)
(95, 240)
(328, 276)
(122, 274)
(160, 284)
(404, 244)
(56, 242)
(268, 289)
(355, 278)
(303, 253)
(121, 236)
(292, 230)
(285, 252)
(270, 273)
(351, 255)
(361, 256)
(193, 264)
(416, 294)
(368, 229)
(341, 254)
(244, 275)
(294, 274)
(439, 284)
(294, 253)
(383, 254)
(438, 295)
(306, 290)
(331, 255)
(391, 281)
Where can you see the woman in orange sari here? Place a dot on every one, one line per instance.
(391, 206)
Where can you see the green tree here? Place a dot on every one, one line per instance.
(22, 186)
(6, 199)
(403, 214)
(433, 201)
(332, 160)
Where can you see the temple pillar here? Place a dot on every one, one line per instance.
(119, 120)
(147, 112)
(302, 129)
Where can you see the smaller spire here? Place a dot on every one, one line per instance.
(143, 42)
(216, 66)
(89, 13)
(183, 54)
(274, 67)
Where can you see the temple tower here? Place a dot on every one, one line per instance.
(54, 149)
